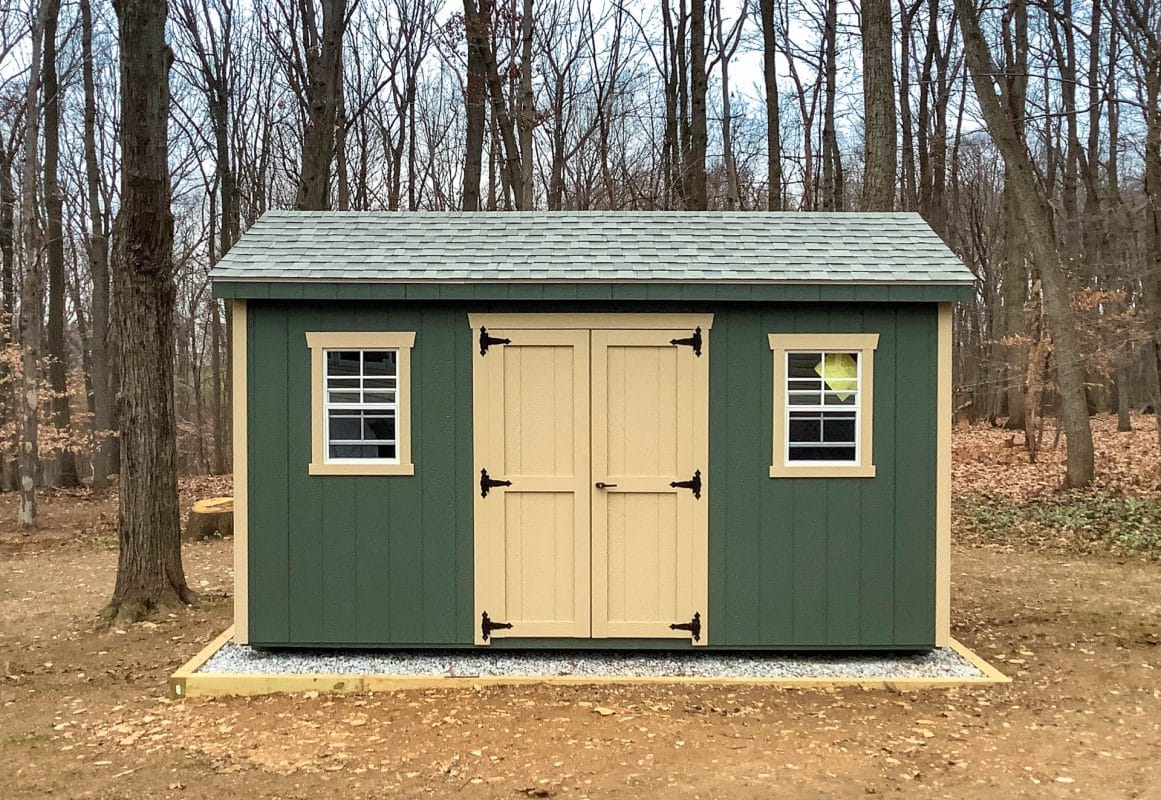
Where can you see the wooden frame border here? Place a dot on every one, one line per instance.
(605, 321)
(239, 345)
(320, 341)
(188, 682)
(865, 343)
(178, 681)
(943, 479)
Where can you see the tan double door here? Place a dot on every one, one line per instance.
(590, 427)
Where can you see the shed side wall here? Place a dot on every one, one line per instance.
(340, 560)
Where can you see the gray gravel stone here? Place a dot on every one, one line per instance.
(939, 663)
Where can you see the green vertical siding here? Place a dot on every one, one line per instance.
(815, 562)
(387, 560)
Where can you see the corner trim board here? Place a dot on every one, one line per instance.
(238, 388)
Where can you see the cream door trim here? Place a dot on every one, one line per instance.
(865, 343)
(943, 480)
(609, 321)
(238, 346)
(321, 341)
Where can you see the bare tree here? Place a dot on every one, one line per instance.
(879, 132)
(103, 369)
(32, 292)
(150, 576)
(65, 461)
(1037, 217)
(774, 200)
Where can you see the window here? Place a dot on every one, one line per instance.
(823, 387)
(361, 421)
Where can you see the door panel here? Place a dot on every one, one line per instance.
(531, 427)
(648, 430)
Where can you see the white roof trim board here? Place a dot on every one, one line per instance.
(592, 246)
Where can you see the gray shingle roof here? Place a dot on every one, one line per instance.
(748, 247)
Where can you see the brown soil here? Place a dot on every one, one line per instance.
(83, 711)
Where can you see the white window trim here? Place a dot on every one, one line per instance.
(864, 344)
(322, 341)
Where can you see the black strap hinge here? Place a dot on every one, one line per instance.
(487, 626)
(693, 484)
(487, 483)
(693, 626)
(691, 341)
(487, 340)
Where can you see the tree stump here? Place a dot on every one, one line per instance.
(213, 516)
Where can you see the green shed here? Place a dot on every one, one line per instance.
(614, 430)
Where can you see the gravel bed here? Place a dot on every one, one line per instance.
(939, 663)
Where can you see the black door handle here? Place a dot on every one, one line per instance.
(603, 485)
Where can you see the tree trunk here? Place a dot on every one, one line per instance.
(527, 119)
(830, 184)
(149, 569)
(105, 456)
(878, 107)
(474, 97)
(8, 400)
(1038, 225)
(66, 463)
(773, 120)
(695, 165)
(502, 123)
(32, 292)
(324, 85)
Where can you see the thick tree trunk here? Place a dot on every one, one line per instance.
(104, 370)
(698, 200)
(149, 570)
(527, 119)
(878, 107)
(474, 99)
(65, 461)
(773, 119)
(324, 85)
(830, 185)
(1038, 226)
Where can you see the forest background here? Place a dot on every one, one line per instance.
(1026, 133)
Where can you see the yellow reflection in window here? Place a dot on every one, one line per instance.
(840, 372)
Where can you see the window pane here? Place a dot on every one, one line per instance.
(378, 362)
(362, 451)
(361, 386)
(838, 430)
(805, 398)
(821, 453)
(342, 362)
(805, 429)
(802, 365)
(379, 428)
(840, 399)
(344, 427)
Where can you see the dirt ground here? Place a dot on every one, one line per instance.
(83, 711)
